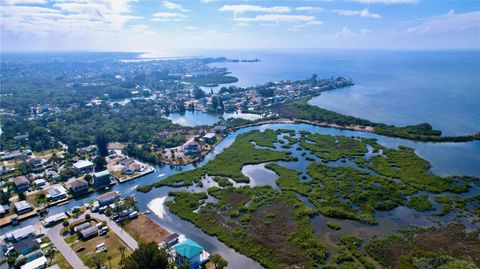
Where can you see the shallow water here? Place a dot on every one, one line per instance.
(446, 159)
(197, 118)
(394, 87)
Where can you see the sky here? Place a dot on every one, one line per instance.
(176, 28)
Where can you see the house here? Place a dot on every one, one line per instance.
(192, 252)
(21, 233)
(127, 161)
(220, 129)
(56, 193)
(83, 166)
(89, 232)
(108, 198)
(13, 156)
(38, 263)
(23, 207)
(192, 148)
(39, 183)
(77, 186)
(101, 179)
(170, 240)
(82, 226)
(131, 168)
(21, 183)
(49, 221)
(53, 175)
(210, 138)
(35, 162)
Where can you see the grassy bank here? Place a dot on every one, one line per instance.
(300, 109)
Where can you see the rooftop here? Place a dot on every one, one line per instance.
(20, 180)
(108, 195)
(82, 164)
(188, 248)
(22, 205)
(101, 173)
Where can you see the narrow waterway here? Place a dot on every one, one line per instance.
(446, 159)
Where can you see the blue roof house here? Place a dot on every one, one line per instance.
(192, 252)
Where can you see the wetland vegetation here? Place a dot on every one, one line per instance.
(370, 178)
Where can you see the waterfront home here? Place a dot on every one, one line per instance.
(127, 161)
(83, 166)
(190, 251)
(170, 240)
(77, 186)
(21, 233)
(101, 179)
(23, 207)
(21, 183)
(220, 129)
(56, 193)
(192, 148)
(38, 263)
(49, 221)
(131, 168)
(108, 198)
(210, 138)
(91, 231)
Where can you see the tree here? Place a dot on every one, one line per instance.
(101, 139)
(122, 249)
(109, 257)
(96, 260)
(198, 93)
(218, 261)
(87, 177)
(100, 163)
(147, 256)
(88, 217)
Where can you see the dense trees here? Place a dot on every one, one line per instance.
(147, 256)
(101, 139)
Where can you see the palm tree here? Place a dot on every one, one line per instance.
(121, 249)
(110, 261)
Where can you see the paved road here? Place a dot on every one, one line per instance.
(132, 243)
(69, 254)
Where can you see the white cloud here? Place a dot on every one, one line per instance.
(174, 6)
(450, 22)
(24, 2)
(238, 9)
(387, 2)
(277, 18)
(309, 9)
(168, 16)
(207, 1)
(365, 13)
(191, 28)
(66, 17)
(347, 32)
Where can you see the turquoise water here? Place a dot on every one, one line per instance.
(394, 87)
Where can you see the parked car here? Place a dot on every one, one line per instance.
(80, 249)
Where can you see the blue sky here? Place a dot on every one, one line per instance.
(175, 27)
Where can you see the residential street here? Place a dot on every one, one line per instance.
(69, 254)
